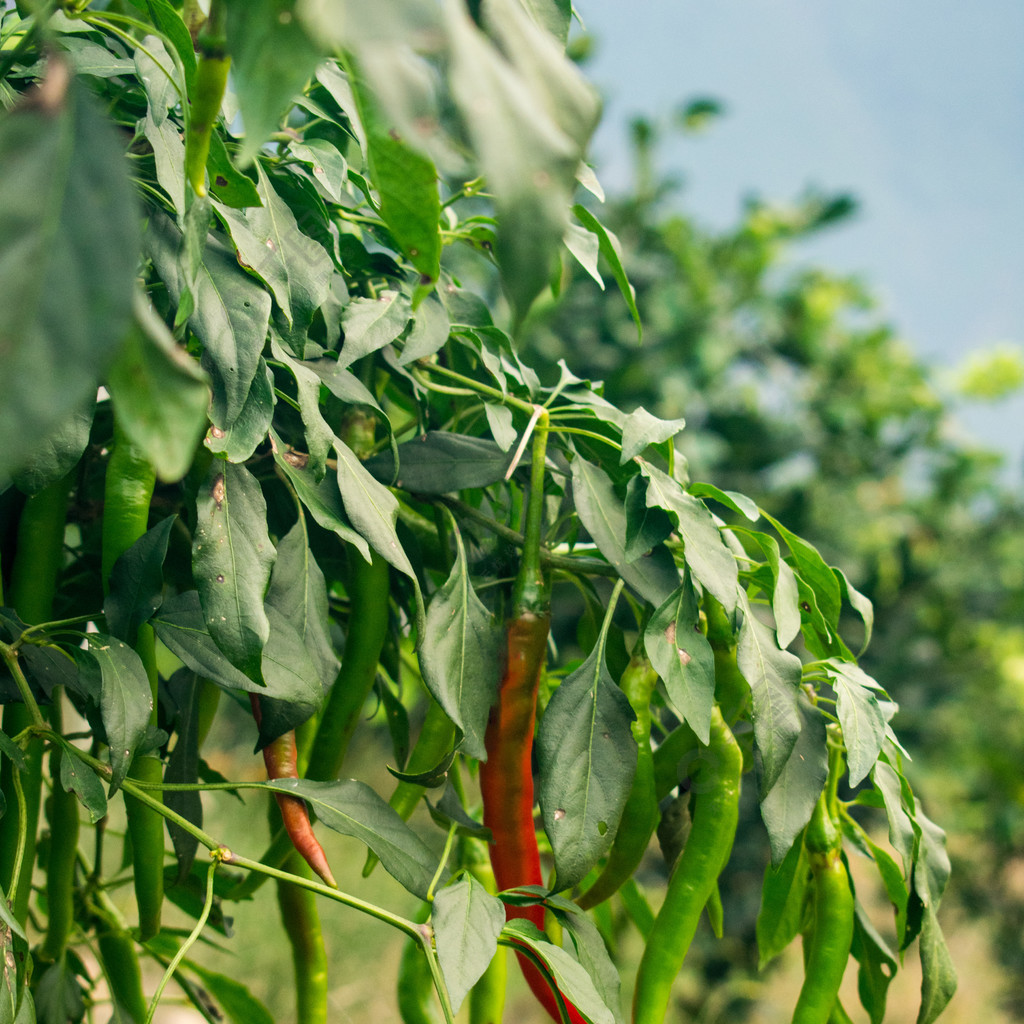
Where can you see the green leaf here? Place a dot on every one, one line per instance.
(611, 250)
(587, 758)
(901, 829)
(938, 981)
(407, 186)
(440, 462)
(58, 453)
(69, 249)
(230, 318)
(528, 114)
(159, 76)
(319, 436)
(370, 324)
(683, 658)
(862, 720)
(895, 886)
(328, 165)
(785, 592)
(298, 591)
(641, 429)
(782, 904)
(774, 678)
(859, 603)
(730, 499)
(467, 920)
(232, 556)
(272, 58)
(249, 429)
(572, 980)
(160, 395)
(711, 562)
(59, 995)
(228, 184)
(593, 957)
(430, 329)
(646, 527)
(354, 809)
(654, 578)
(460, 655)
(163, 16)
(322, 499)
(125, 700)
(296, 268)
(373, 511)
(238, 1004)
(814, 571)
(169, 156)
(787, 806)
(136, 582)
(294, 692)
(877, 966)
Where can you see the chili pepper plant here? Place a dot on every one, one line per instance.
(267, 440)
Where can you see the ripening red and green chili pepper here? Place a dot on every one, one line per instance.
(206, 97)
(128, 491)
(640, 815)
(280, 757)
(829, 934)
(716, 785)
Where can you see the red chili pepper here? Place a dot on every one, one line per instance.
(280, 758)
(506, 784)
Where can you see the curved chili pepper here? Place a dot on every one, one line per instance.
(280, 757)
(640, 815)
(121, 968)
(716, 784)
(205, 100)
(506, 784)
(828, 939)
(128, 490)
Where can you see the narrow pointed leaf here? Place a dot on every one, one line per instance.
(232, 555)
(136, 582)
(370, 324)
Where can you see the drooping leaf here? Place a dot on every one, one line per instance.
(774, 678)
(354, 809)
(370, 324)
(125, 700)
(787, 806)
(160, 395)
(159, 76)
(711, 562)
(611, 250)
(272, 58)
(299, 592)
(136, 582)
(730, 499)
(876, 966)
(860, 715)
(58, 453)
(183, 767)
(587, 757)
(440, 462)
(238, 1004)
(227, 183)
(938, 981)
(85, 784)
(249, 428)
(69, 248)
(232, 556)
(592, 954)
(460, 655)
(59, 994)
(319, 436)
(655, 577)
(782, 904)
(646, 527)
(572, 980)
(859, 603)
(467, 920)
(296, 268)
(814, 571)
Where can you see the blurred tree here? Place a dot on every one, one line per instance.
(794, 387)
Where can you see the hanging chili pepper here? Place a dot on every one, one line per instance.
(281, 760)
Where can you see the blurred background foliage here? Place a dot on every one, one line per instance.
(797, 392)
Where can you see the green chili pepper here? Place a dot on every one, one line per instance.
(367, 628)
(436, 738)
(716, 785)
(302, 923)
(829, 936)
(33, 584)
(127, 494)
(121, 968)
(204, 102)
(62, 813)
(640, 815)
(280, 757)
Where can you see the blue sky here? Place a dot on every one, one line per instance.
(916, 107)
